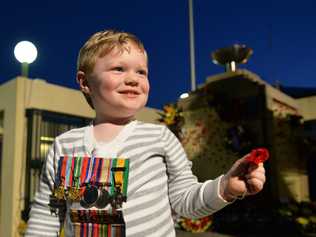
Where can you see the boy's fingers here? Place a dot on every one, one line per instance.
(243, 168)
(256, 168)
(255, 185)
(256, 175)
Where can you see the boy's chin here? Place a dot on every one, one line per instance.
(132, 110)
(130, 113)
(126, 113)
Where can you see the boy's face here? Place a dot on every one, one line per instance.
(118, 84)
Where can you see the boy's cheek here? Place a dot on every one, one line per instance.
(147, 87)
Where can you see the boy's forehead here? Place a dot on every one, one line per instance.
(119, 49)
(114, 53)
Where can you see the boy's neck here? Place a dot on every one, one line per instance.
(114, 121)
(105, 130)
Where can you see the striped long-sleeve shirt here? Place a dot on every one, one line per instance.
(160, 179)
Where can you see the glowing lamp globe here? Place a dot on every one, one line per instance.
(184, 95)
(25, 52)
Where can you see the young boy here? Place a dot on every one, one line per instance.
(119, 176)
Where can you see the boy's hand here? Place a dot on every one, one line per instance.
(244, 178)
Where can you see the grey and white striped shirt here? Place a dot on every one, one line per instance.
(160, 179)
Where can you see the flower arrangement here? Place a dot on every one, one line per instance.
(169, 115)
(172, 117)
(195, 225)
(22, 227)
(301, 215)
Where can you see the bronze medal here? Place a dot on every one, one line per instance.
(75, 194)
(59, 192)
(104, 199)
(83, 204)
(90, 196)
(71, 193)
(74, 216)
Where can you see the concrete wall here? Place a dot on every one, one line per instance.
(13, 155)
(308, 107)
(45, 96)
(289, 166)
(273, 93)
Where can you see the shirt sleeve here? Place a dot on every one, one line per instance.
(41, 221)
(187, 196)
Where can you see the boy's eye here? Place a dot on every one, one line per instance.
(142, 72)
(118, 69)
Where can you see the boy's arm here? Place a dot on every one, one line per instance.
(187, 196)
(41, 221)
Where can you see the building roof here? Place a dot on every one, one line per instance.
(298, 92)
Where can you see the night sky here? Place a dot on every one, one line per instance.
(281, 33)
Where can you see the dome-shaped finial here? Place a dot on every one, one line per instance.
(230, 56)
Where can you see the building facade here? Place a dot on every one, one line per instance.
(234, 112)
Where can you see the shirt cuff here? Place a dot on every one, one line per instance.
(211, 194)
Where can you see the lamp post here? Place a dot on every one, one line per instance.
(192, 49)
(25, 52)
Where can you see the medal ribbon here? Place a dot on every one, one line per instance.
(120, 172)
(125, 177)
(63, 171)
(84, 230)
(72, 169)
(77, 172)
(95, 230)
(77, 229)
(105, 174)
(99, 170)
(68, 169)
(58, 177)
(112, 189)
(84, 169)
(89, 170)
(97, 223)
(94, 172)
(98, 230)
(103, 230)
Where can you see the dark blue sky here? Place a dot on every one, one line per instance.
(281, 33)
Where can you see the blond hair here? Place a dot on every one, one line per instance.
(101, 44)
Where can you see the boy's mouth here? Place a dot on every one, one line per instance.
(130, 93)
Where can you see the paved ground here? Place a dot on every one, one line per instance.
(181, 233)
(213, 234)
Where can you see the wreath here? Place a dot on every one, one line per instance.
(172, 117)
(195, 225)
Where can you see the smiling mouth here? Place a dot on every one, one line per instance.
(130, 94)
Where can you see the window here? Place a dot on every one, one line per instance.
(42, 128)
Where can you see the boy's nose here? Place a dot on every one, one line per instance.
(131, 80)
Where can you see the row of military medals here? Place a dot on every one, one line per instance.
(90, 181)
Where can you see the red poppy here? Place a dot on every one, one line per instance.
(258, 155)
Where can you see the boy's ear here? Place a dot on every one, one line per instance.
(82, 80)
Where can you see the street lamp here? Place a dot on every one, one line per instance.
(25, 52)
(184, 95)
